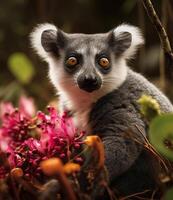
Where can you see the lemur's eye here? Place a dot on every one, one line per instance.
(71, 61)
(104, 63)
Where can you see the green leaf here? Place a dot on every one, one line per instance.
(149, 107)
(168, 195)
(21, 67)
(160, 131)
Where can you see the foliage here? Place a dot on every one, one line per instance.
(168, 195)
(17, 19)
(21, 67)
(149, 107)
(160, 127)
(161, 134)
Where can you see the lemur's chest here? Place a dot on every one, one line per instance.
(81, 120)
(80, 106)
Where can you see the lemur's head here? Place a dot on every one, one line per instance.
(86, 63)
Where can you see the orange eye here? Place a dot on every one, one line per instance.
(72, 61)
(104, 63)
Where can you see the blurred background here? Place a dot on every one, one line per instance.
(22, 72)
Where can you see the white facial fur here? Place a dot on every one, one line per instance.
(137, 39)
(71, 95)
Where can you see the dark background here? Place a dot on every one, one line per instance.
(18, 17)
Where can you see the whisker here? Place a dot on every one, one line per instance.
(110, 81)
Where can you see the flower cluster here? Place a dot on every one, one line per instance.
(27, 140)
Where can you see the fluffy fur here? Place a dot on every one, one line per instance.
(68, 90)
(137, 39)
(117, 119)
(110, 111)
(35, 38)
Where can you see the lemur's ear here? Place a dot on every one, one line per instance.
(47, 40)
(125, 40)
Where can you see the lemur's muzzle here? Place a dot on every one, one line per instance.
(89, 83)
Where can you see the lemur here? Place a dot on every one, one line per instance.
(93, 81)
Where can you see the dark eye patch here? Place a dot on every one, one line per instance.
(103, 54)
(76, 55)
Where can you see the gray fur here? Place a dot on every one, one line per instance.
(111, 106)
(120, 44)
(117, 114)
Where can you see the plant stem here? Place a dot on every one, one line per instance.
(162, 35)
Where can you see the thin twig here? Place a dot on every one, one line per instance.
(135, 195)
(162, 35)
(150, 147)
(158, 25)
(109, 191)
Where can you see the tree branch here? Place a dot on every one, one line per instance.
(162, 34)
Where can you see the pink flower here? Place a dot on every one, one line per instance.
(15, 126)
(53, 123)
(5, 107)
(27, 106)
(4, 141)
(16, 122)
(55, 136)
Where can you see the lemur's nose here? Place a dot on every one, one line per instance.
(89, 83)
